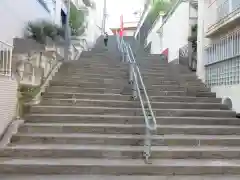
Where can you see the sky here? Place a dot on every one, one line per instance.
(126, 7)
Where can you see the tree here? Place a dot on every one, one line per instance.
(160, 6)
(40, 30)
(76, 21)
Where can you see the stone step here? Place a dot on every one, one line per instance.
(90, 76)
(168, 74)
(127, 128)
(86, 84)
(153, 84)
(130, 111)
(94, 87)
(117, 79)
(126, 139)
(118, 166)
(114, 119)
(127, 92)
(120, 152)
(94, 70)
(171, 76)
(181, 93)
(95, 64)
(159, 70)
(121, 177)
(91, 64)
(71, 89)
(91, 67)
(113, 103)
(90, 102)
(105, 96)
(184, 99)
(89, 79)
(94, 60)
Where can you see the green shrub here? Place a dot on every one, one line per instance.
(40, 30)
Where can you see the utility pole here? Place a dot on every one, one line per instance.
(104, 16)
(67, 32)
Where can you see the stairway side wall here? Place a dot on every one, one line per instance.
(8, 101)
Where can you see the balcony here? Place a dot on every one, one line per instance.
(222, 15)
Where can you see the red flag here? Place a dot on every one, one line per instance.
(121, 26)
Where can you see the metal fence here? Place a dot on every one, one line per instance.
(5, 58)
(223, 60)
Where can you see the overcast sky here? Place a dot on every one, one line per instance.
(126, 7)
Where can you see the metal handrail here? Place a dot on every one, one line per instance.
(145, 93)
(134, 78)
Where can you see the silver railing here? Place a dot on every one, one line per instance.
(139, 91)
(5, 59)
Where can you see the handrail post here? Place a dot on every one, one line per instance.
(147, 145)
(131, 73)
(134, 90)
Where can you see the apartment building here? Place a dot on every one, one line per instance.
(219, 48)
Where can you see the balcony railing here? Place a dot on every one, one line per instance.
(221, 11)
(5, 59)
(223, 60)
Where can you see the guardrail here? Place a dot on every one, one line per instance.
(223, 60)
(221, 10)
(5, 59)
(139, 91)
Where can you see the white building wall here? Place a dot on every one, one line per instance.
(129, 32)
(175, 30)
(201, 40)
(8, 100)
(231, 92)
(206, 18)
(94, 20)
(15, 17)
(154, 38)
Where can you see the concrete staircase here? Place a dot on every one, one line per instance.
(87, 125)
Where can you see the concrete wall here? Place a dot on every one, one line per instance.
(142, 19)
(175, 30)
(8, 99)
(201, 40)
(156, 45)
(154, 37)
(231, 92)
(15, 16)
(94, 20)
